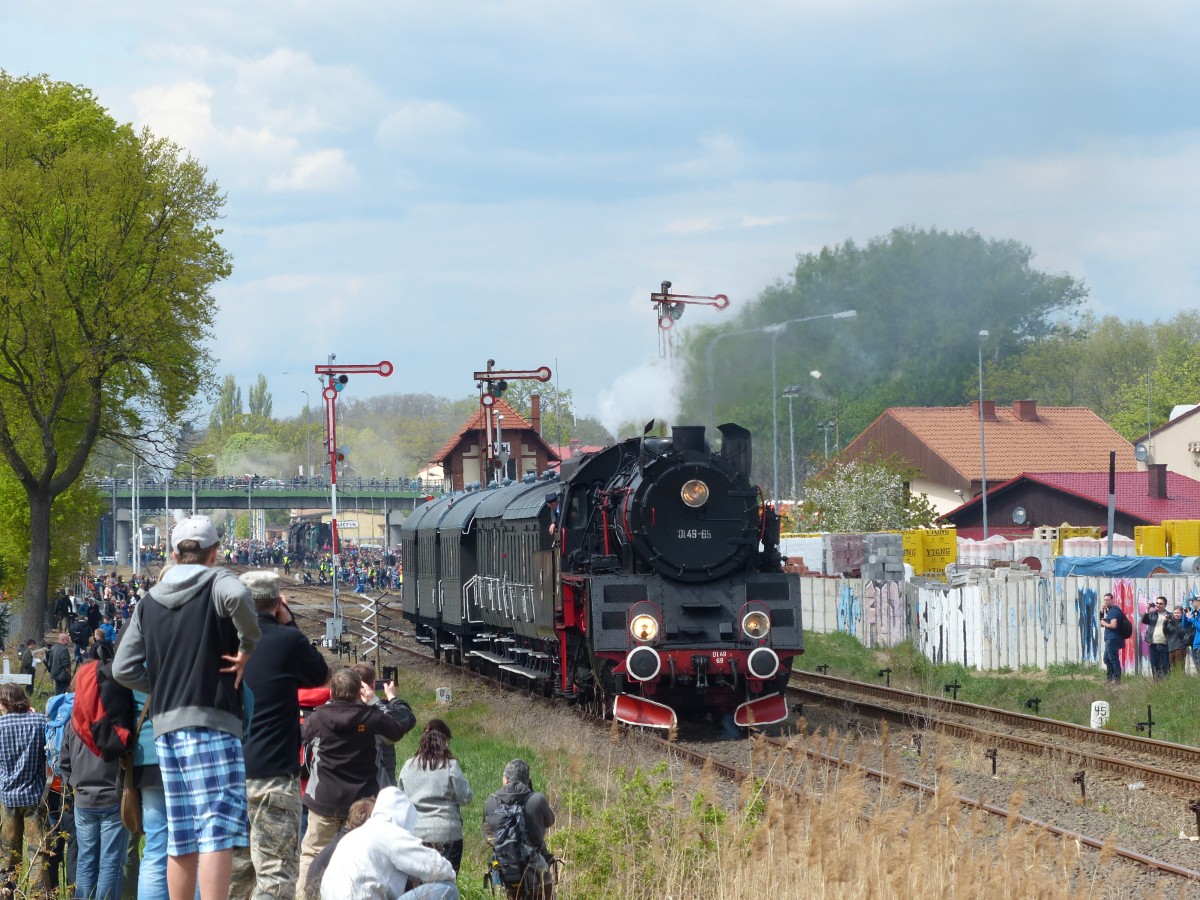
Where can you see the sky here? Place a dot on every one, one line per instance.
(437, 184)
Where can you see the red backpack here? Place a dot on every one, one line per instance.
(103, 714)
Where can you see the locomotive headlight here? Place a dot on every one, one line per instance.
(694, 493)
(756, 625)
(644, 627)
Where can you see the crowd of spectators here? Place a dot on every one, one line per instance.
(226, 773)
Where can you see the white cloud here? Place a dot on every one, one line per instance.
(324, 170)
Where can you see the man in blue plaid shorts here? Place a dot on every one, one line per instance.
(186, 645)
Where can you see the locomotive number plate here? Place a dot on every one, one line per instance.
(694, 534)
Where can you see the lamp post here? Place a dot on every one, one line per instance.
(308, 437)
(983, 336)
(826, 427)
(775, 331)
(844, 314)
(193, 461)
(791, 392)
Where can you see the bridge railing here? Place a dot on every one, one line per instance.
(276, 485)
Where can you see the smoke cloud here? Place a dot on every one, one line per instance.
(651, 391)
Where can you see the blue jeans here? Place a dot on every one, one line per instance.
(442, 890)
(1160, 661)
(103, 841)
(1112, 662)
(152, 876)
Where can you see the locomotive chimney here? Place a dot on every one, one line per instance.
(535, 413)
(735, 448)
(688, 437)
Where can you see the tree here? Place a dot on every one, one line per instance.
(108, 258)
(558, 420)
(922, 297)
(860, 496)
(227, 411)
(260, 398)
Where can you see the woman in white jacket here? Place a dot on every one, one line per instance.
(434, 782)
(377, 859)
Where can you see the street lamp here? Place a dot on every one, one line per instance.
(193, 461)
(827, 427)
(775, 331)
(846, 314)
(983, 336)
(308, 437)
(791, 392)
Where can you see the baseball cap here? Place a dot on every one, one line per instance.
(196, 528)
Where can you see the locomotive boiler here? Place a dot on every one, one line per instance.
(645, 580)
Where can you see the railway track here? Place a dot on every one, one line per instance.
(392, 641)
(1140, 759)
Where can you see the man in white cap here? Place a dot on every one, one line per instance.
(283, 663)
(186, 645)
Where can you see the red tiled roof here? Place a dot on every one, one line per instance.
(513, 421)
(1063, 438)
(1132, 497)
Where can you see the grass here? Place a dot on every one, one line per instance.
(1065, 692)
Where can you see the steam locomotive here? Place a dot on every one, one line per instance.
(644, 580)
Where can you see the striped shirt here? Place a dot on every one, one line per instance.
(22, 758)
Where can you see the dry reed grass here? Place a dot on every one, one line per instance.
(801, 830)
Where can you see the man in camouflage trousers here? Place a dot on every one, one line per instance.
(283, 662)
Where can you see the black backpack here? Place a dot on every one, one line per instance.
(512, 854)
(1125, 627)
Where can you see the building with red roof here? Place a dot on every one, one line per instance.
(462, 457)
(1081, 499)
(943, 443)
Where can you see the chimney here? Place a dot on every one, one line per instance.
(1026, 410)
(989, 410)
(535, 413)
(1157, 476)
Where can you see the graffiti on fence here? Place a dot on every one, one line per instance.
(1089, 626)
(849, 610)
(883, 606)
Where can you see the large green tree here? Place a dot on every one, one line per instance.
(108, 254)
(922, 297)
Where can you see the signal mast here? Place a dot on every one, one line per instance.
(670, 310)
(492, 384)
(335, 378)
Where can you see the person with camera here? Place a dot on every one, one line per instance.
(339, 739)
(1111, 616)
(1159, 628)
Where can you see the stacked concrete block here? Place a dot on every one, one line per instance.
(846, 553)
(884, 557)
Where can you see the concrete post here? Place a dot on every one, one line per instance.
(124, 549)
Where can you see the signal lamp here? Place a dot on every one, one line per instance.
(339, 382)
(756, 625)
(644, 627)
(694, 493)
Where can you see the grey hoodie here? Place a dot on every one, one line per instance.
(178, 654)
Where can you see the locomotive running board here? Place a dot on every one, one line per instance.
(763, 711)
(640, 711)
